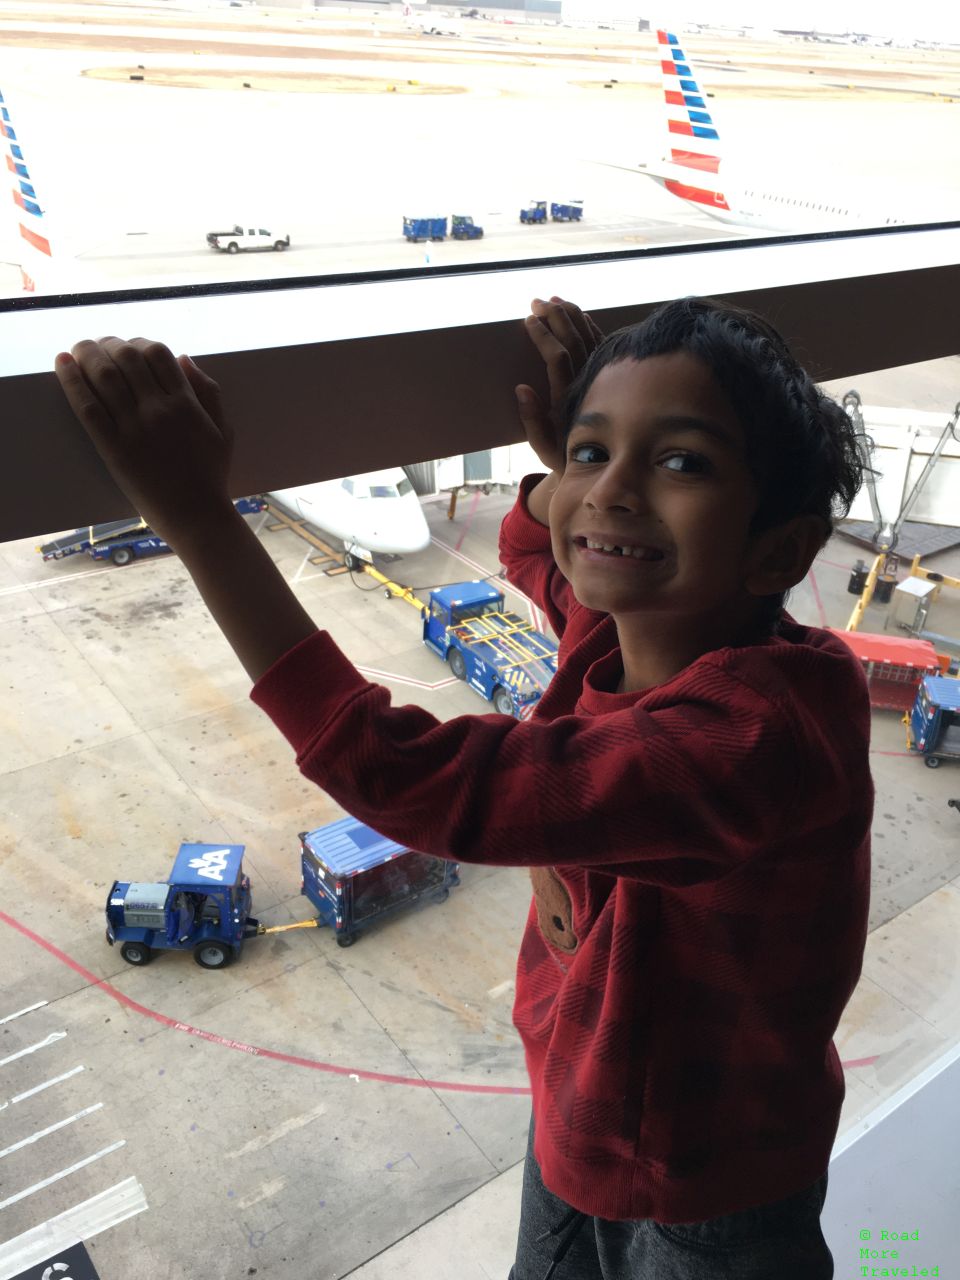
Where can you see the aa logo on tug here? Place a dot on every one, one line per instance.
(211, 865)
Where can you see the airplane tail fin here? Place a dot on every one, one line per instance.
(693, 142)
(37, 254)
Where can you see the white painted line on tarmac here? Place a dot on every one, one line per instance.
(20, 1012)
(52, 582)
(281, 1131)
(42, 1133)
(296, 577)
(39, 1088)
(409, 680)
(81, 1164)
(41, 1044)
(82, 1222)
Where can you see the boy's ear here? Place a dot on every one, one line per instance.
(781, 557)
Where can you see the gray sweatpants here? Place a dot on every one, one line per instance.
(779, 1241)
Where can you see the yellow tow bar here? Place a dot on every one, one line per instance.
(394, 589)
(282, 928)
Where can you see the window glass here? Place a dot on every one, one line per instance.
(130, 729)
(763, 124)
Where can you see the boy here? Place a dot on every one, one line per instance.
(692, 795)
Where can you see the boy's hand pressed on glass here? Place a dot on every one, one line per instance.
(157, 424)
(565, 336)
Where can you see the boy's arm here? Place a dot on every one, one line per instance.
(564, 336)
(526, 554)
(681, 791)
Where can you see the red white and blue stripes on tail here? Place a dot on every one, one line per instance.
(37, 251)
(694, 140)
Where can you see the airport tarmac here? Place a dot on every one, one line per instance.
(313, 1109)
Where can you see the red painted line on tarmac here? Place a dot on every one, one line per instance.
(466, 527)
(256, 1051)
(832, 563)
(816, 595)
(449, 1086)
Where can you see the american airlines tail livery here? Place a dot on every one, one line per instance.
(695, 169)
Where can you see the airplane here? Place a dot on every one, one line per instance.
(376, 511)
(695, 169)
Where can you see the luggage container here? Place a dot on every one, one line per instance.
(894, 666)
(353, 876)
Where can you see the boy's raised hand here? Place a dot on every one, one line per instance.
(158, 426)
(565, 336)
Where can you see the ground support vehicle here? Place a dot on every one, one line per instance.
(463, 227)
(933, 725)
(122, 540)
(249, 240)
(499, 655)
(894, 666)
(204, 907)
(571, 211)
(535, 212)
(353, 876)
(420, 229)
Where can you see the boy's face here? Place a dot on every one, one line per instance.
(655, 465)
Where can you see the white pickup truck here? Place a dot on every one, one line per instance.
(244, 240)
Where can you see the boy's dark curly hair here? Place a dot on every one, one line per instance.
(802, 448)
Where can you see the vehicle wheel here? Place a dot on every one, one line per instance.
(502, 702)
(121, 555)
(233, 247)
(280, 245)
(932, 762)
(213, 954)
(457, 664)
(136, 953)
(346, 939)
(353, 563)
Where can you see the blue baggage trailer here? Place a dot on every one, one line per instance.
(420, 229)
(933, 726)
(354, 876)
(567, 211)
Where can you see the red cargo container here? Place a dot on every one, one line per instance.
(894, 666)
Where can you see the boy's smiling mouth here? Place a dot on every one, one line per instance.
(608, 546)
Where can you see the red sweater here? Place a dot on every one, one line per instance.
(705, 920)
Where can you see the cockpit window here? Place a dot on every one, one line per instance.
(383, 491)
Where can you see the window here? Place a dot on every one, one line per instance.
(332, 368)
(345, 216)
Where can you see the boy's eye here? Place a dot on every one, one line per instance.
(587, 453)
(691, 463)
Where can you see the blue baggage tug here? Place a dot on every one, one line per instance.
(353, 876)
(933, 726)
(204, 907)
